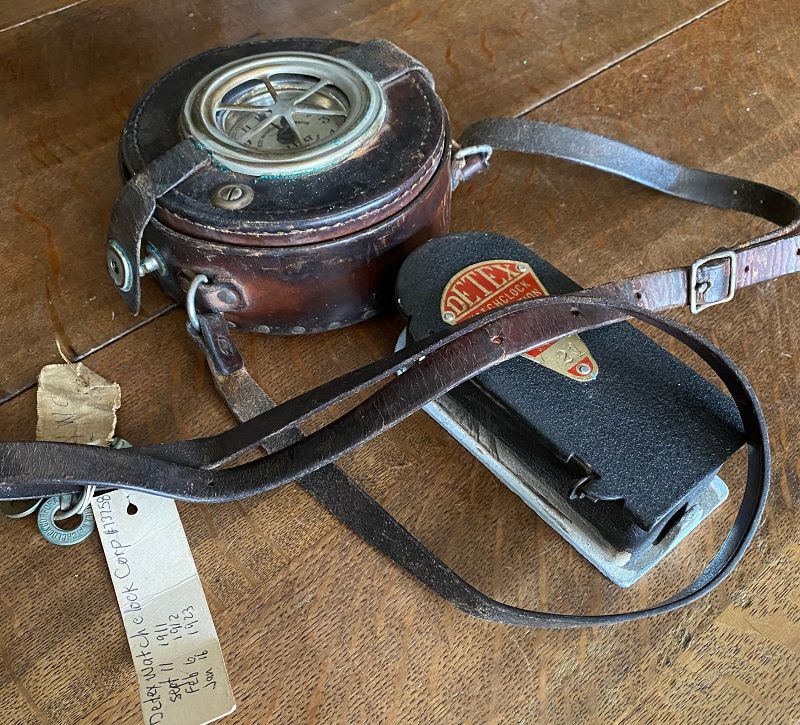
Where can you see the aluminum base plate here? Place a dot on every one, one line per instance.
(621, 567)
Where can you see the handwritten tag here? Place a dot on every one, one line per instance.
(175, 649)
(75, 405)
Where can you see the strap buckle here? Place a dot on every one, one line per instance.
(702, 279)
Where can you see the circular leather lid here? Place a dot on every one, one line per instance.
(378, 179)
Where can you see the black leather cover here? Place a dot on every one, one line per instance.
(367, 182)
(652, 428)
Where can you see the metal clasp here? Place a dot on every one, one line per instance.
(463, 166)
(698, 286)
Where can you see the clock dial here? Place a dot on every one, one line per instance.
(282, 114)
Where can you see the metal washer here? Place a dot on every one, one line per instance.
(45, 519)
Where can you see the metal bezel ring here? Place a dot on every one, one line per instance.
(366, 112)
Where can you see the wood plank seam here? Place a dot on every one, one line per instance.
(77, 357)
(54, 11)
(623, 58)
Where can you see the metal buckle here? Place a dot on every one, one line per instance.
(694, 305)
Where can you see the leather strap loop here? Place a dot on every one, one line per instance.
(292, 455)
(136, 205)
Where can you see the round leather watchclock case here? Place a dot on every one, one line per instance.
(295, 174)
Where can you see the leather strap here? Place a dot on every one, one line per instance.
(185, 469)
(352, 505)
(128, 468)
(598, 152)
(135, 206)
(709, 280)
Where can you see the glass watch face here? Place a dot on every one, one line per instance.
(284, 113)
(275, 114)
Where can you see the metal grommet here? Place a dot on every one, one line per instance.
(119, 266)
(191, 309)
(56, 535)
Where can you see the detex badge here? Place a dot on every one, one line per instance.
(498, 282)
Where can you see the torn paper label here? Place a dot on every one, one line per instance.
(76, 405)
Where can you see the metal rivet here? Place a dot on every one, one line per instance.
(225, 345)
(152, 262)
(583, 368)
(448, 317)
(232, 196)
(298, 330)
(228, 297)
(522, 267)
(118, 265)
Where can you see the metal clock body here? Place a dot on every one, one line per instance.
(295, 174)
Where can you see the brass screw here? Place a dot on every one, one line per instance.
(232, 196)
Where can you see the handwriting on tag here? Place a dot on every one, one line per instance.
(75, 405)
(175, 649)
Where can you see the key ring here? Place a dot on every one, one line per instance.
(191, 308)
(77, 508)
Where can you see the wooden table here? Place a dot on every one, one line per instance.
(315, 625)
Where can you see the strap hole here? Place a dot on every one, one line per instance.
(747, 268)
(798, 252)
(575, 312)
(132, 508)
(638, 295)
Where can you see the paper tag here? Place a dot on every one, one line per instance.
(176, 652)
(75, 405)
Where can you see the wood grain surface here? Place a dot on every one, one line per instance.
(315, 626)
(69, 78)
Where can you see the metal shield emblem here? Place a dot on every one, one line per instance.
(498, 282)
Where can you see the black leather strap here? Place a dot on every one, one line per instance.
(598, 152)
(139, 470)
(185, 469)
(352, 505)
(135, 206)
